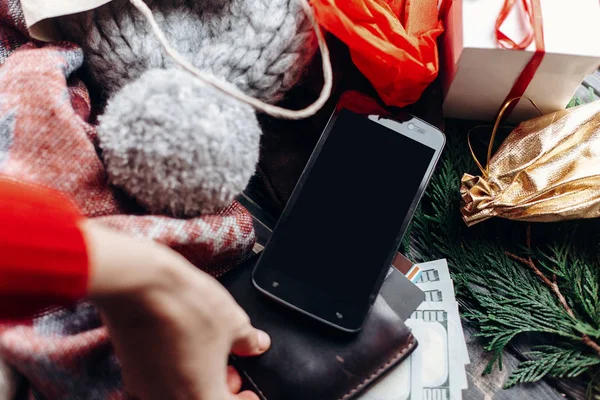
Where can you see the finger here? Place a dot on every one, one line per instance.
(246, 395)
(251, 342)
(234, 380)
(213, 382)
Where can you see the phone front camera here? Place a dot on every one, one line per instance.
(411, 126)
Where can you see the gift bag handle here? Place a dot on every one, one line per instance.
(485, 171)
(233, 91)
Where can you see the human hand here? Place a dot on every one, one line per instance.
(172, 325)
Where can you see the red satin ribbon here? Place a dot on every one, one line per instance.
(533, 13)
(444, 8)
(503, 40)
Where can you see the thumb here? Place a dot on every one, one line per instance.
(246, 395)
(251, 342)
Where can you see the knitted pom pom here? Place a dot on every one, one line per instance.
(176, 145)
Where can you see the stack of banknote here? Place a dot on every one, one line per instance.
(436, 369)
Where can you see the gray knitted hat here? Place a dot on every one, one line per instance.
(261, 46)
(164, 134)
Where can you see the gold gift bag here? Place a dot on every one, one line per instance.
(547, 169)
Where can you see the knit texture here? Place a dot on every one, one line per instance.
(261, 46)
(47, 139)
(177, 145)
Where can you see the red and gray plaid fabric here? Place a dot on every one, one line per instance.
(45, 137)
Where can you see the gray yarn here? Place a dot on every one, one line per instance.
(261, 46)
(171, 143)
(176, 145)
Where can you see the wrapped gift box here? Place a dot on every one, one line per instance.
(477, 74)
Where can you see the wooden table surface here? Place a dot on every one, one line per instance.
(428, 108)
(490, 387)
(481, 387)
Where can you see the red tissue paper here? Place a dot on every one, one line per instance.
(392, 42)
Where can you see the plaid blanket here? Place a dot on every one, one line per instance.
(46, 137)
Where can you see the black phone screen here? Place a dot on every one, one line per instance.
(341, 228)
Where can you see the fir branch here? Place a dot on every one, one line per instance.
(579, 282)
(589, 342)
(497, 295)
(552, 361)
(553, 285)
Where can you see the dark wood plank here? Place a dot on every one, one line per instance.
(490, 387)
(572, 388)
(587, 94)
(593, 82)
(480, 387)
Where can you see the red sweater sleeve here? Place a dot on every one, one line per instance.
(43, 257)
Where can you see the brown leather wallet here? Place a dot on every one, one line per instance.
(310, 360)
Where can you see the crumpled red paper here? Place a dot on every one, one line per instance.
(392, 42)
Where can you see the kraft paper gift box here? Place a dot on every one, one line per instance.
(478, 75)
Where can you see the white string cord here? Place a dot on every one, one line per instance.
(231, 90)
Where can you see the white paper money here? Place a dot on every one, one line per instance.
(462, 343)
(438, 291)
(432, 372)
(433, 271)
(443, 374)
(436, 369)
(442, 290)
(401, 383)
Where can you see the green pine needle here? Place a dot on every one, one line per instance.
(553, 361)
(499, 296)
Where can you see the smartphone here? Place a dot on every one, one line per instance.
(352, 203)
